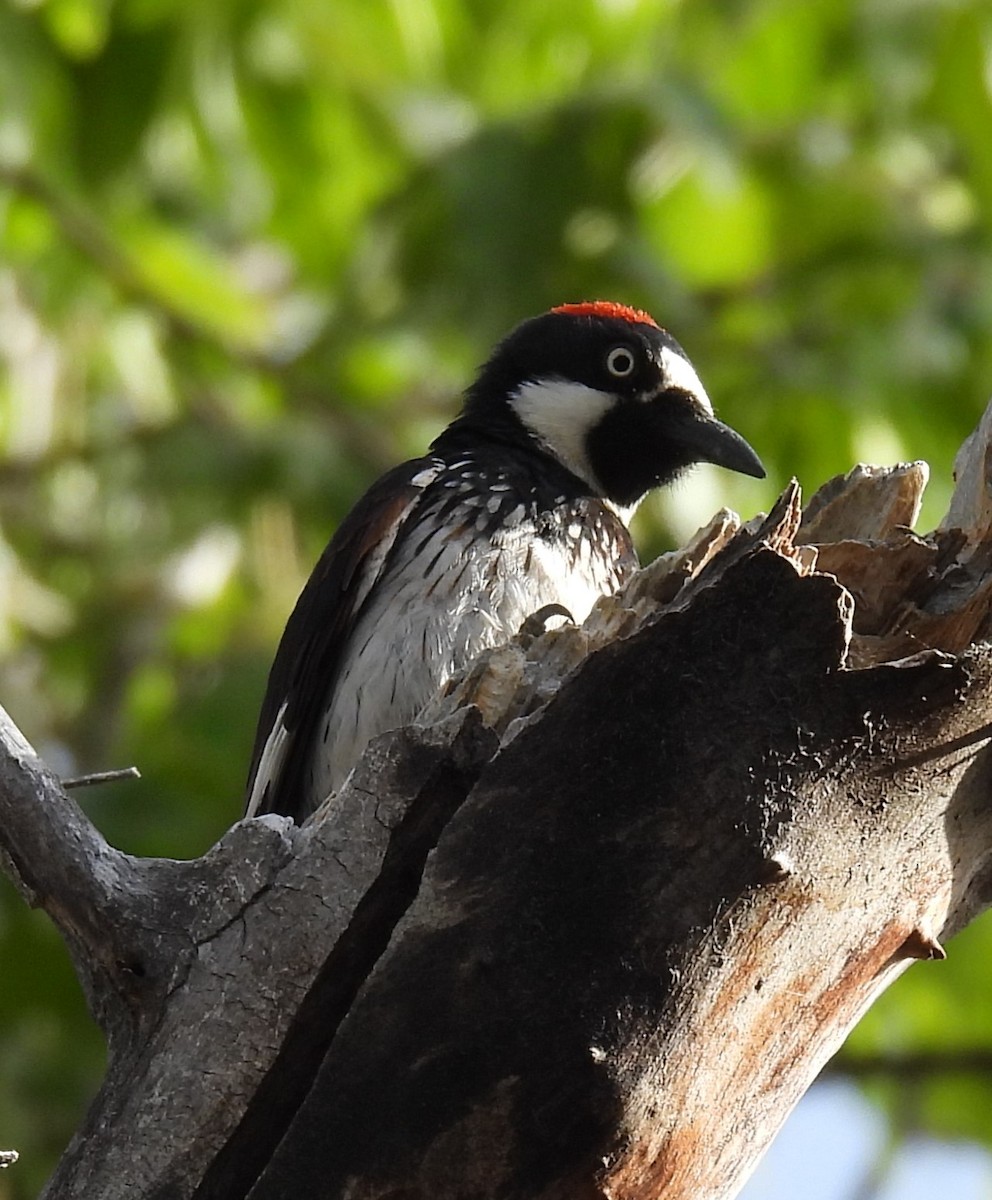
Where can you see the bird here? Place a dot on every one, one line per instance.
(520, 505)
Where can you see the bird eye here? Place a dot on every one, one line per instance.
(620, 362)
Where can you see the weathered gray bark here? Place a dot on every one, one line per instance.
(594, 926)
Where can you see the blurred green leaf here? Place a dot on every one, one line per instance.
(117, 91)
(961, 93)
(711, 228)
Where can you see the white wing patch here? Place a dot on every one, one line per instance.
(270, 762)
(426, 476)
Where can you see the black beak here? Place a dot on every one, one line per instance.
(642, 444)
(709, 440)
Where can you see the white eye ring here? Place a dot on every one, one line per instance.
(620, 362)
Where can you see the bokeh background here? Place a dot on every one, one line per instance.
(252, 250)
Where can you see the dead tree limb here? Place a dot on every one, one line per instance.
(592, 927)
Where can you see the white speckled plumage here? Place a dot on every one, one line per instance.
(407, 646)
(473, 553)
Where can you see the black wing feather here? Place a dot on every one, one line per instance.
(316, 636)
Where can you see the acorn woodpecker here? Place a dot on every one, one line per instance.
(520, 504)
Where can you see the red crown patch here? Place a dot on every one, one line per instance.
(607, 308)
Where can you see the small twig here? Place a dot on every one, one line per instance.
(102, 777)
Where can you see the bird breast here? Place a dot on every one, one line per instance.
(450, 594)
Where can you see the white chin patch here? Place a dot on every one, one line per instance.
(560, 413)
(678, 372)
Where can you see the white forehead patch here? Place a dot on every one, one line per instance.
(679, 372)
(560, 414)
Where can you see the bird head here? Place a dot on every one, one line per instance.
(608, 394)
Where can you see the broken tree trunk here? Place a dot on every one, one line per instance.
(592, 927)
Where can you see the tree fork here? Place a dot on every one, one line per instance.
(592, 927)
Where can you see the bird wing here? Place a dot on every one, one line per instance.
(316, 637)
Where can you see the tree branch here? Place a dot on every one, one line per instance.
(125, 921)
(593, 925)
(59, 861)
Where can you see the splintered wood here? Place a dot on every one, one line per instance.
(909, 592)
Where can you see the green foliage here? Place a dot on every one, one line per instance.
(251, 250)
